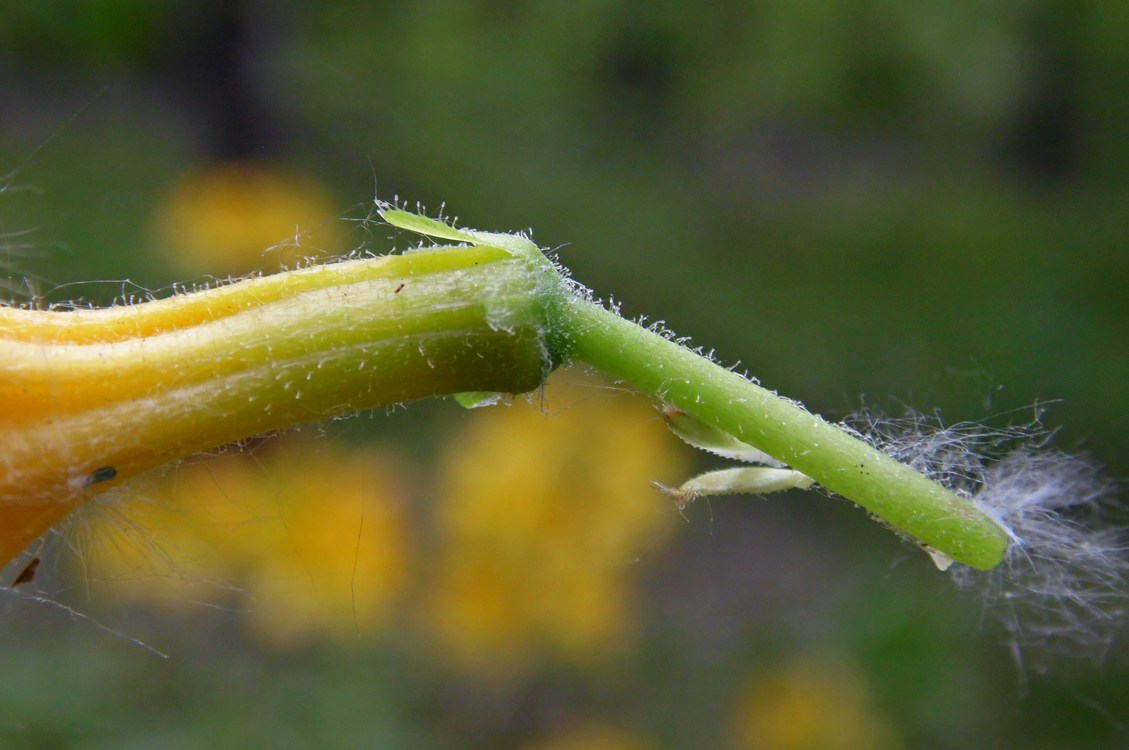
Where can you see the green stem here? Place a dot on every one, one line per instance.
(895, 493)
(580, 330)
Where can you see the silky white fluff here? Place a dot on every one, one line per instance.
(1062, 587)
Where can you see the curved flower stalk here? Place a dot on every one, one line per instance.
(90, 397)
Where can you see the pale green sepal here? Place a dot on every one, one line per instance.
(742, 480)
(515, 244)
(475, 399)
(427, 226)
(697, 433)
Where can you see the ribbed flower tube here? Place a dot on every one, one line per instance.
(89, 398)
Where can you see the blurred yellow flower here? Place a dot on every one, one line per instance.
(223, 220)
(811, 705)
(541, 518)
(593, 736)
(315, 535)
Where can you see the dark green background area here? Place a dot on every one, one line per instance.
(898, 203)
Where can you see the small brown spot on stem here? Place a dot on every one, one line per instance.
(27, 575)
(101, 474)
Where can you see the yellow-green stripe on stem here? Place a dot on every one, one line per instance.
(92, 397)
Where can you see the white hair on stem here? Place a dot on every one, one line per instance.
(1062, 587)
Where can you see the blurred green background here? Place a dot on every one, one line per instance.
(864, 201)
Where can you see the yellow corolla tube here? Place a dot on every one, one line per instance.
(89, 398)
